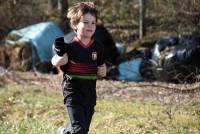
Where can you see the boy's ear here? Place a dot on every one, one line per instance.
(74, 28)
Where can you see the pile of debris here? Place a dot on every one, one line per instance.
(172, 59)
(30, 48)
(176, 58)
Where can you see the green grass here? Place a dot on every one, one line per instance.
(35, 110)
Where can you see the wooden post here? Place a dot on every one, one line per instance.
(142, 29)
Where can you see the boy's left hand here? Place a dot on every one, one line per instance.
(102, 70)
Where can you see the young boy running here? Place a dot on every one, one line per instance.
(81, 60)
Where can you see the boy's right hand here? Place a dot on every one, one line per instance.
(60, 48)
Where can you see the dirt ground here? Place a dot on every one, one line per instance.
(166, 93)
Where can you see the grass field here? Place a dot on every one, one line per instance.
(35, 110)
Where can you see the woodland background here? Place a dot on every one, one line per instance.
(169, 16)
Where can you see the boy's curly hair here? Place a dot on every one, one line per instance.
(81, 8)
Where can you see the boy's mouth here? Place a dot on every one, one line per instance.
(88, 30)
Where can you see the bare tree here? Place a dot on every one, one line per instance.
(142, 29)
(61, 6)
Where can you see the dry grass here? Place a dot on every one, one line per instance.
(30, 104)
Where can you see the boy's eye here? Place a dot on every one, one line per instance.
(87, 22)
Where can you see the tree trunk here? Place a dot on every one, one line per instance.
(53, 3)
(142, 28)
(61, 7)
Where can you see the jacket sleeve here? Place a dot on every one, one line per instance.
(100, 58)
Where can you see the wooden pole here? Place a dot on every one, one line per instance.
(142, 29)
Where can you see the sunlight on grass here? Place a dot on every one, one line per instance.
(136, 117)
(32, 110)
(29, 109)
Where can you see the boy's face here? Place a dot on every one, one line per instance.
(87, 26)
